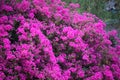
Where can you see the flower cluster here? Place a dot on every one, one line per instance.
(50, 40)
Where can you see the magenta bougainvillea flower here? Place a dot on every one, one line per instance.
(50, 40)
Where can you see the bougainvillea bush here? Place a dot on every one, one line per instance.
(49, 40)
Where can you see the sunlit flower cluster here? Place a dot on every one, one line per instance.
(50, 40)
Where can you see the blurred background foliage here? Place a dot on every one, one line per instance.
(97, 7)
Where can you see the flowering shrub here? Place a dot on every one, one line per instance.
(47, 40)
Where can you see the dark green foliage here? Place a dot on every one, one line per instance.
(97, 7)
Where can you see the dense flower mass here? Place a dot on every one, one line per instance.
(50, 40)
